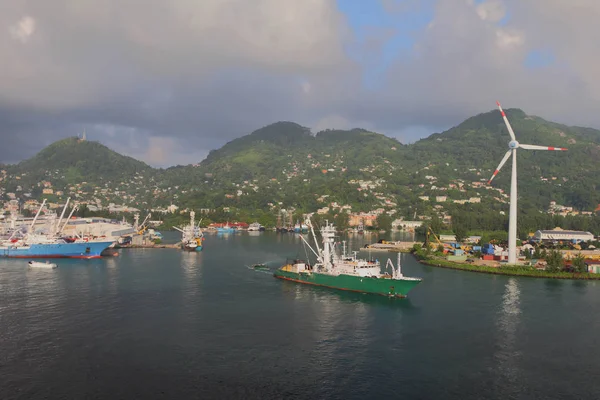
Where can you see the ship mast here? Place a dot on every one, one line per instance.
(314, 235)
(61, 217)
(68, 219)
(328, 234)
(192, 222)
(37, 215)
(396, 271)
(136, 221)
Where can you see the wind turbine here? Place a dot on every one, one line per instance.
(513, 145)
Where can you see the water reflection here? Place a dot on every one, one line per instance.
(297, 292)
(224, 235)
(580, 286)
(112, 274)
(191, 265)
(554, 285)
(507, 356)
(339, 335)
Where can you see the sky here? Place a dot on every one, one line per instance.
(166, 82)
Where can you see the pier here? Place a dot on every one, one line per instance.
(391, 246)
(151, 246)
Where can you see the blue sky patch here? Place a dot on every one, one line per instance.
(397, 29)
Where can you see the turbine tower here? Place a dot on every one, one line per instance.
(513, 145)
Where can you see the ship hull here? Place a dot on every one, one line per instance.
(381, 286)
(56, 250)
(192, 248)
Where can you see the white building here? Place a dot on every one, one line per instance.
(406, 225)
(562, 235)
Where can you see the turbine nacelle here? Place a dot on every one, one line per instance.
(513, 144)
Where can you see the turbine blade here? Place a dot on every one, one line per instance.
(510, 130)
(504, 159)
(536, 147)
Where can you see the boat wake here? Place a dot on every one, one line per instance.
(268, 272)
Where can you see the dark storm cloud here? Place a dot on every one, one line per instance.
(168, 82)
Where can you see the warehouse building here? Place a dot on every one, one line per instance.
(560, 235)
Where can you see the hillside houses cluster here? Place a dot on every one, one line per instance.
(124, 196)
(557, 209)
(428, 189)
(460, 186)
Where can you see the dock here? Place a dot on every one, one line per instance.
(393, 247)
(152, 246)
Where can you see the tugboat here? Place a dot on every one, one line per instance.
(191, 235)
(346, 272)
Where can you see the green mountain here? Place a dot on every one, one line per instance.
(82, 160)
(284, 165)
(264, 152)
(70, 162)
(481, 142)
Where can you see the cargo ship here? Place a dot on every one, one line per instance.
(53, 248)
(346, 272)
(25, 241)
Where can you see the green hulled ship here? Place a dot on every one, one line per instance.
(346, 272)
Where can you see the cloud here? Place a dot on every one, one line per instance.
(199, 72)
(169, 81)
(164, 152)
(470, 55)
(491, 10)
(23, 29)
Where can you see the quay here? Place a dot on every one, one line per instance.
(390, 246)
(151, 246)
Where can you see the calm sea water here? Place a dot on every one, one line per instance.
(167, 324)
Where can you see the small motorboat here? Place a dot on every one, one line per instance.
(261, 267)
(47, 264)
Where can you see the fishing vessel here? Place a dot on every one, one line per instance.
(300, 228)
(255, 227)
(226, 229)
(191, 235)
(345, 272)
(360, 229)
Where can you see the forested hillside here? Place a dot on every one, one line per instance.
(283, 165)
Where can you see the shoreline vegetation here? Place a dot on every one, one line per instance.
(517, 270)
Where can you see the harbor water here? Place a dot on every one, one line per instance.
(167, 324)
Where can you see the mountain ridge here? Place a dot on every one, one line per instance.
(283, 164)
